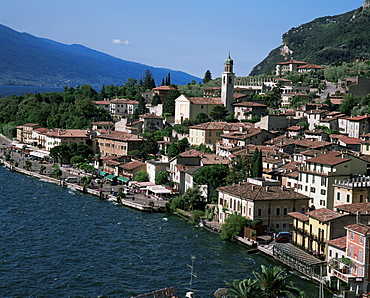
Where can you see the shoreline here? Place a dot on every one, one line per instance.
(251, 246)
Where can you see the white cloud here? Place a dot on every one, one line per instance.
(118, 41)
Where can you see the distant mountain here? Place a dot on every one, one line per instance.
(324, 40)
(26, 60)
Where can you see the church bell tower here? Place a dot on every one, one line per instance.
(227, 89)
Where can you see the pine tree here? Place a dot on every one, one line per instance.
(207, 77)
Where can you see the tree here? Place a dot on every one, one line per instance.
(273, 282)
(192, 198)
(169, 101)
(172, 150)
(147, 81)
(162, 178)
(183, 145)
(212, 176)
(156, 100)
(141, 176)
(246, 288)
(240, 170)
(201, 118)
(219, 113)
(257, 163)
(234, 224)
(207, 77)
(348, 103)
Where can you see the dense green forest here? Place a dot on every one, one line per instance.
(324, 40)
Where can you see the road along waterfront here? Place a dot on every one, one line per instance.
(59, 242)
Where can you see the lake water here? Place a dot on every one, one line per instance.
(56, 242)
(6, 90)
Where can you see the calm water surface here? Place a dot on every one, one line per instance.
(59, 243)
(6, 90)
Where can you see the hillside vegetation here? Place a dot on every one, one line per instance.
(324, 40)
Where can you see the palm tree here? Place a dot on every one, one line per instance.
(246, 288)
(273, 283)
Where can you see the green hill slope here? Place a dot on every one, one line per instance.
(324, 40)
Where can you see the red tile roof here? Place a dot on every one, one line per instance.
(299, 215)
(205, 100)
(340, 242)
(331, 158)
(359, 228)
(120, 136)
(249, 104)
(324, 214)
(261, 193)
(363, 208)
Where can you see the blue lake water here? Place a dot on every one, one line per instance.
(6, 90)
(56, 242)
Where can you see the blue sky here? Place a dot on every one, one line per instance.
(191, 36)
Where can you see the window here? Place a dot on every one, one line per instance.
(306, 178)
(210, 134)
(361, 239)
(361, 198)
(352, 236)
(259, 212)
(323, 192)
(338, 196)
(348, 197)
(360, 255)
(277, 211)
(277, 226)
(306, 188)
(218, 133)
(285, 211)
(313, 189)
(323, 181)
(284, 225)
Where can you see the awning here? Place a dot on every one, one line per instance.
(110, 177)
(159, 189)
(102, 173)
(124, 179)
(41, 154)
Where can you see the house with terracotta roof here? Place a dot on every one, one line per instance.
(318, 174)
(288, 66)
(106, 125)
(277, 122)
(312, 230)
(254, 136)
(129, 169)
(209, 133)
(190, 107)
(24, 133)
(353, 144)
(247, 110)
(263, 199)
(151, 121)
(123, 108)
(286, 98)
(118, 143)
(103, 104)
(58, 136)
(353, 268)
(191, 159)
(310, 67)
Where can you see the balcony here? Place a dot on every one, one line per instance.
(345, 275)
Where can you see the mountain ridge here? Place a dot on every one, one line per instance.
(27, 60)
(324, 40)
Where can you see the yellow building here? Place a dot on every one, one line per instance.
(312, 230)
(209, 133)
(190, 107)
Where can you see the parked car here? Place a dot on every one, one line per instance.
(282, 239)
